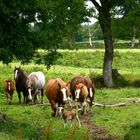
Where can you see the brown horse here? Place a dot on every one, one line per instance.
(56, 92)
(91, 91)
(9, 90)
(20, 82)
(81, 94)
(88, 83)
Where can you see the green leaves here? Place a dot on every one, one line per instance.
(26, 26)
(5, 55)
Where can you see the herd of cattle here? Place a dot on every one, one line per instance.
(79, 88)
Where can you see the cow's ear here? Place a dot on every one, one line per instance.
(68, 83)
(59, 84)
(76, 85)
(82, 85)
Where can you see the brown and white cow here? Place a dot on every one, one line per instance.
(81, 94)
(88, 83)
(57, 93)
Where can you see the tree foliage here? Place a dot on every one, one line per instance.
(26, 26)
(123, 26)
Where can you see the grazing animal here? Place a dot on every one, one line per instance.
(35, 83)
(91, 91)
(88, 83)
(56, 92)
(9, 90)
(69, 115)
(81, 94)
(20, 82)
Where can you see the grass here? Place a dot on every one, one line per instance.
(117, 120)
(35, 122)
(99, 44)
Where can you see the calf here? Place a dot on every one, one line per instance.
(70, 114)
(9, 90)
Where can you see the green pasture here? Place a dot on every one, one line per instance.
(99, 44)
(35, 121)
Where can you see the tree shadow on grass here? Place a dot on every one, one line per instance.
(18, 130)
(134, 132)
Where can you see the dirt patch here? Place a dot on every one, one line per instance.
(96, 132)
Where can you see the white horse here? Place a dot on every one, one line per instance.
(35, 83)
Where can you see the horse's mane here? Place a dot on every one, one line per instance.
(22, 72)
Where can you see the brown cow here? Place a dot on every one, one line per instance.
(9, 90)
(91, 91)
(86, 81)
(56, 92)
(81, 94)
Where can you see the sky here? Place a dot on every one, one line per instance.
(90, 4)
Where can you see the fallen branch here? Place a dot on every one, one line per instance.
(129, 99)
(104, 105)
(137, 100)
(44, 104)
(94, 104)
(114, 105)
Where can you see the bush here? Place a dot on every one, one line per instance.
(136, 83)
(97, 79)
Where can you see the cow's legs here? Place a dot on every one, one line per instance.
(84, 107)
(42, 93)
(11, 96)
(35, 99)
(25, 97)
(19, 97)
(90, 104)
(8, 97)
(53, 106)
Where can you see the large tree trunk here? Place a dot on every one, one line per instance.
(105, 22)
(108, 58)
(104, 8)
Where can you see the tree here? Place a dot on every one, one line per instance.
(104, 17)
(26, 26)
(131, 16)
(106, 12)
(128, 24)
